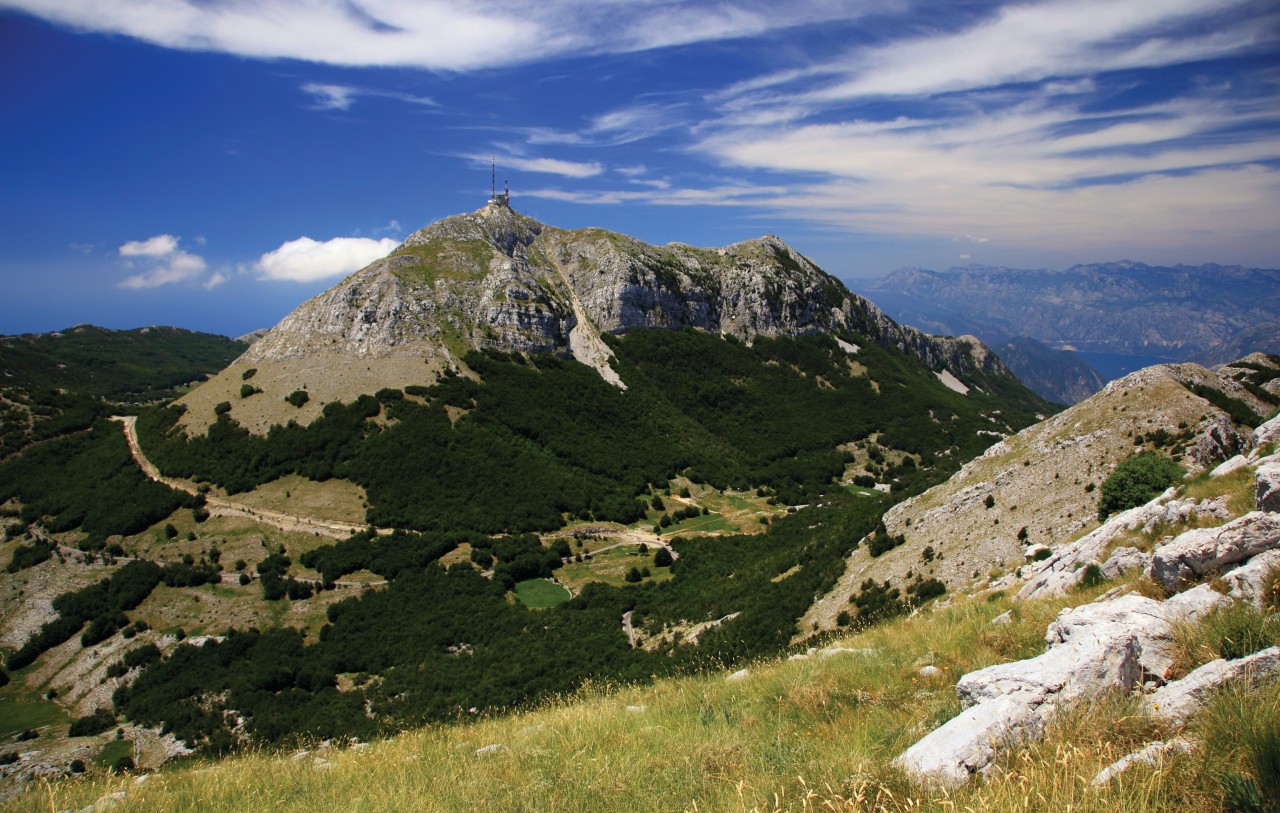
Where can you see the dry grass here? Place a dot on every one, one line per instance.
(807, 735)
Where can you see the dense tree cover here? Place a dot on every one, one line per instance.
(532, 443)
(57, 384)
(87, 481)
(1240, 412)
(25, 556)
(91, 724)
(139, 365)
(101, 605)
(542, 439)
(445, 641)
(1135, 481)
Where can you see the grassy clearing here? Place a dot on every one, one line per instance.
(20, 711)
(609, 567)
(539, 594)
(333, 499)
(706, 524)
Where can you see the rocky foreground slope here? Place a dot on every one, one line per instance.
(495, 278)
(1126, 642)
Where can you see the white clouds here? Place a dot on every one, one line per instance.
(444, 35)
(555, 166)
(341, 97)
(158, 246)
(1020, 133)
(308, 260)
(331, 97)
(161, 262)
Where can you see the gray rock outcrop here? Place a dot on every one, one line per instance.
(1207, 551)
(497, 278)
(1063, 570)
(1267, 487)
(1151, 754)
(1112, 645)
(1176, 701)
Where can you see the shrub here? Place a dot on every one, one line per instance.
(1092, 577)
(298, 398)
(990, 501)
(249, 373)
(1136, 481)
(95, 723)
(122, 764)
(222, 408)
(633, 575)
(248, 389)
(76, 766)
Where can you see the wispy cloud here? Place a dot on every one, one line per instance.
(444, 35)
(308, 260)
(342, 97)
(512, 156)
(160, 261)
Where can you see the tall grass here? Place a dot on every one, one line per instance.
(806, 735)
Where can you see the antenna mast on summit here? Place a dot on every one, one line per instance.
(494, 198)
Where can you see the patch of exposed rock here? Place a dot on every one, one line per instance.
(1039, 487)
(1113, 644)
(495, 278)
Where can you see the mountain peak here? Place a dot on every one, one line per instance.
(498, 279)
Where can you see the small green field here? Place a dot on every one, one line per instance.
(112, 751)
(539, 594)
(610, 567)
(19, 712)
(705, 524)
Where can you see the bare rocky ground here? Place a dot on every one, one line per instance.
(1045, 480)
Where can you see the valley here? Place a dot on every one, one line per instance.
(512, 471)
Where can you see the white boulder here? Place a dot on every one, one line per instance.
(969, 742)
(1177, 701)
(1269, 432)
(1207, 551)
(1151, 754)
(1267, 487)
(1249, 582)
(1226, 467)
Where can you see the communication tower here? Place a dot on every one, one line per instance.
(495, 199)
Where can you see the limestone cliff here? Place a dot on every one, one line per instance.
(495, 278)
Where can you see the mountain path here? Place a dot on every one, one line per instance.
(222, 507)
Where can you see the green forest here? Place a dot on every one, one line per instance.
(542, 440)
(527, 445)
(53, 384)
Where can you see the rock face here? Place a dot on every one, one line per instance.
(1205, 551)
(1178, 700)
(1106, 646)
(1267, 487)
(495, 278)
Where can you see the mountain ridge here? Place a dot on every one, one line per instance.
(497, 279)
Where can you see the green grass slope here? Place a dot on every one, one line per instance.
(803, 735)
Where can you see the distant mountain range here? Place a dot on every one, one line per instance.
(1119, 316)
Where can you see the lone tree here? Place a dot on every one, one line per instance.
(662, 558)
(1135, 481)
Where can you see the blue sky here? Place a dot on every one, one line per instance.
(212, 163)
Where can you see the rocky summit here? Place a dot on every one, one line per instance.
(496, 278)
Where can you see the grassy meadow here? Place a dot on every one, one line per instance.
(810, 734)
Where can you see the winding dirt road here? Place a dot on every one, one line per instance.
(222, 507)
